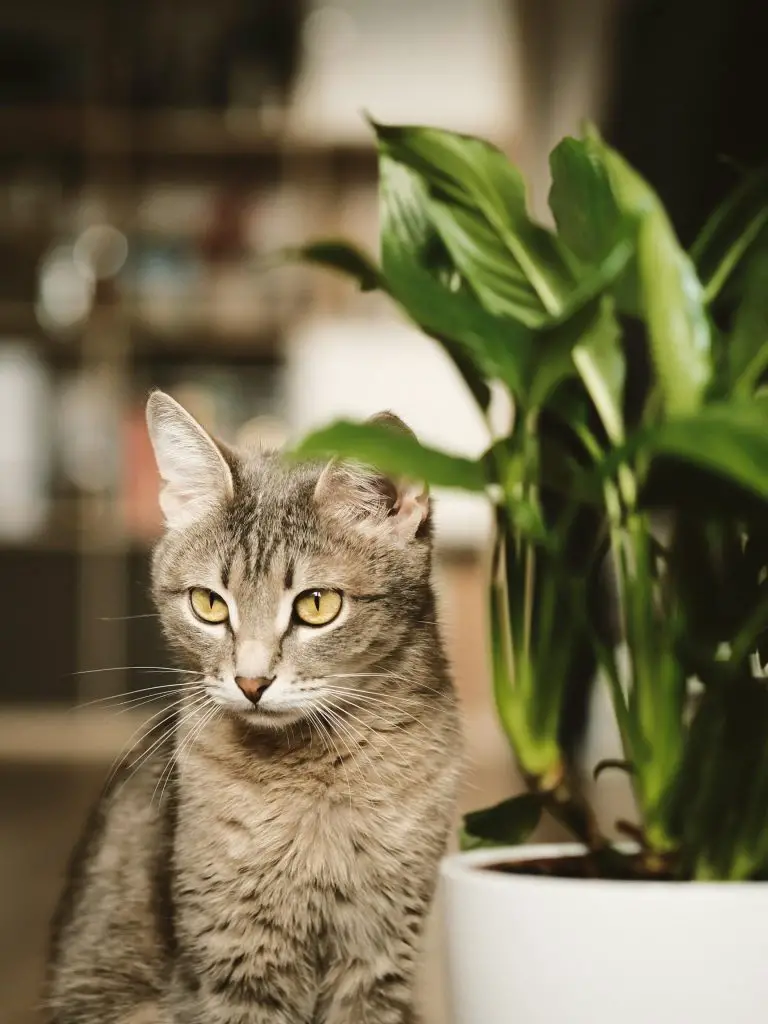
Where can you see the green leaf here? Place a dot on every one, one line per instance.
(599, 359)
(597, 199)
(730, 440)
(484, 261)
(598, 280)
(717, 807)
(477, 175)
(338, 256)
(748, 347)
(393, 452)
(466, 169)
(552, 360)
(587, 344)
(506, 824)
(730, 231)
(587, 215)
(715, 579)
(671, 295)
(418, 276)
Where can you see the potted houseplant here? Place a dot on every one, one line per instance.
(669, 495)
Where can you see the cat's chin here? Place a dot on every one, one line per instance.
(270, 718)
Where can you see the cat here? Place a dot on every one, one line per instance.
(274, 861)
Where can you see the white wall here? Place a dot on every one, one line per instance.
(449, 62)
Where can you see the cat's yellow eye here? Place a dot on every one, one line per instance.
(207, 605)
(317, 607)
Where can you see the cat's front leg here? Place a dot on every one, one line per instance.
(369, 999)
(373, 990)
(247, 983)
(268, 996)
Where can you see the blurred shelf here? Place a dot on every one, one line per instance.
(63, 528)
(206, 134)
(195, 341)
(206, 342)
(46, 733)
(66, 543)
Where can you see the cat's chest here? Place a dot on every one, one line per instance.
(320, 826)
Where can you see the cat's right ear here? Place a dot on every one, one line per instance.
(195, 474)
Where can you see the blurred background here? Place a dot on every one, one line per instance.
(152, 154)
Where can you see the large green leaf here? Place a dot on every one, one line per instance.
(730, 231)
(508, 823)
(587, 215)
(671, 294)
(479, 176)
(430, 294)
(393, 452)
(484, 260)
(730, 440)
(465, 168)
(587, 345)
(748, 346)
(589, 219)
(599, 358)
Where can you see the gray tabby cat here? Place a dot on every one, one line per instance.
(280, 871)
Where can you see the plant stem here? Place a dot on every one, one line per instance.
(567, 806)
(530, 579)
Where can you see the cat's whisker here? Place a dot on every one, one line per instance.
(388, 699)
(150, 700)
(126, 618)
(170, 715)
(359, 698)
(187, 741)
(346, 736)
(364, 726)
(385, 695)
(346, 726)
(137, 736)
(377, 701)
(387, 675)
(175, 723)
(163, 688)
(313, 719)
(134, 668)
(319, 724)
(381, 702)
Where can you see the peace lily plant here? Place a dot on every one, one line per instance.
(582, 482)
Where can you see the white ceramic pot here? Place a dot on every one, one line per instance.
(527, 950)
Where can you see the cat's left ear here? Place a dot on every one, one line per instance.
(362, 497)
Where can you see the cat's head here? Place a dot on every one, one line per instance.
(286, 586)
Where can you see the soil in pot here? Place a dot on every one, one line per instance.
(605, 864)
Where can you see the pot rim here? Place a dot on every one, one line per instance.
(463, 869)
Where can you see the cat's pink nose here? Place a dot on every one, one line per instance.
(253, 688)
